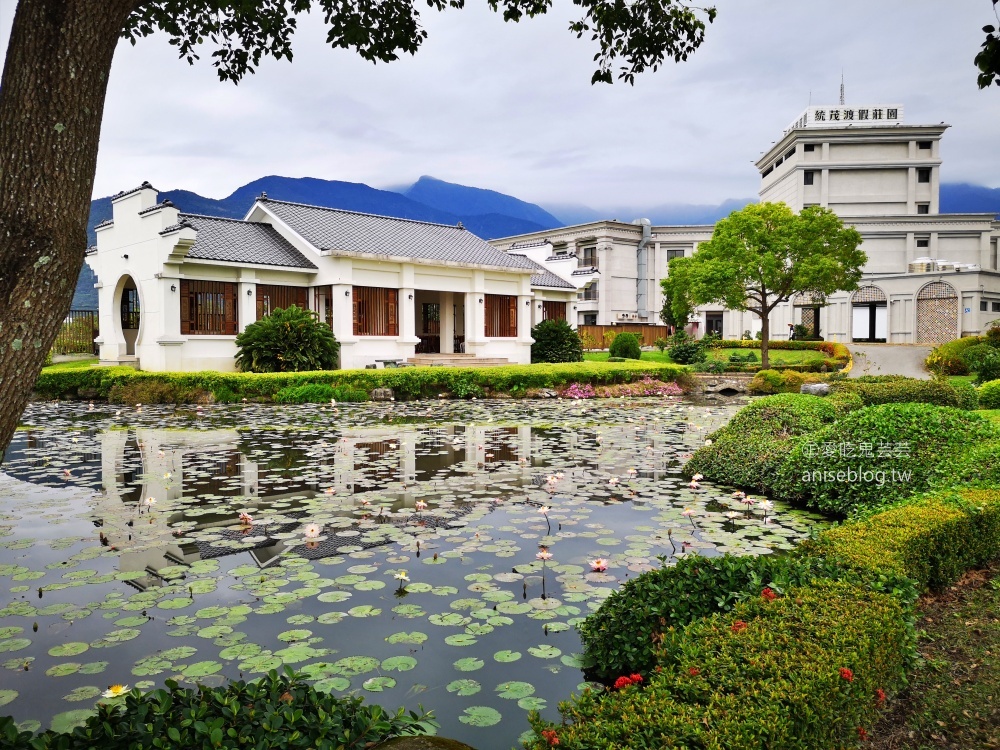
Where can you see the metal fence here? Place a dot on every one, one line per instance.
(600, 337)
(77, 334)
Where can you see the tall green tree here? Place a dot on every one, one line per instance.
(52, 95)
(765, 254)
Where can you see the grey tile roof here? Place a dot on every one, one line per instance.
(235, 241)
(545, 277)
(144, 186)
(342, 232)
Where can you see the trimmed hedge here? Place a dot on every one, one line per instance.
(892, 389)
(797, 673)
(932, 539)
(555, 341)
(749, 451)
(878, 455)
(622, 637)
(408, 382)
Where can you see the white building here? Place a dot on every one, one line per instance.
(930, 276)
(175, 288)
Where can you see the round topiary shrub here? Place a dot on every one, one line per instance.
(555, 341)
(289, 340)
(989, 395)
(626, 345)
(749, 450)
(878, 455)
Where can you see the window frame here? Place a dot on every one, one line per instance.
(500, 316)
(209, 308)
(375, 311)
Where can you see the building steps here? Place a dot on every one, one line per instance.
(129, 360)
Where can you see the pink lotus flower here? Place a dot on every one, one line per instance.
(599, 565)
(312, 530)
(246, 519)
(421, 505)
(544, 554)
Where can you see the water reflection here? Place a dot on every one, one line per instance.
(465, 500)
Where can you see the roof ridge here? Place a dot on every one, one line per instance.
(185, 215)
(364, 213)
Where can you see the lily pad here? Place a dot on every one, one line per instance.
(515, 690)
(399, 663)
(378, 684)
(69, 649)
(464, 687)
(480, 716)
(469, 664)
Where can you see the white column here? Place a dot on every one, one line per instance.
(343, 323)
(447, 326)
(524, 318)
(407, 317)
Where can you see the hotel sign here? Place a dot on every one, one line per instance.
(842, 116)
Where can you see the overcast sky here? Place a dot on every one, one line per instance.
(510, 107)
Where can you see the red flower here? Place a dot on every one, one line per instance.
(635, 678)
(768, 595)
(879, 697)
(549, 735)
(694, 671)
(862, 734)
(847, 674)
(738, 627)
(622, 682)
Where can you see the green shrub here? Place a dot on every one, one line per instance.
(273, 712)
(967, 395)
(984, 360)
(626, 345)
(845, 401)
(749, 450)
(877, 455)
(555, 341)
(978, 466)
(348, 394)
(622, 636)
(289, 340)
(154, 392)
(224, 395)
(777, 680)
(661, 344)
(895, 389)
(466, 388)
(947, 359)
(787, 380)
(932, 539)
(989, 395)
(312, 393)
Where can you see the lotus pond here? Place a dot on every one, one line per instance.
(415, 553)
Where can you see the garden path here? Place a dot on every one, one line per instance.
(890, 359)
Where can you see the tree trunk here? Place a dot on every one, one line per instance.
(765, 334)
(51, 103)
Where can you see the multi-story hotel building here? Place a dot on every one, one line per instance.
(930, 276)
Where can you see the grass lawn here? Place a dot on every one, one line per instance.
(777, 356)
(954, 698)
(956, 379)
(73, 364)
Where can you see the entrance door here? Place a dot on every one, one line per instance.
(870, 322)
(713, 323)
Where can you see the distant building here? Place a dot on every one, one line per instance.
(930, 277)
(175, 289)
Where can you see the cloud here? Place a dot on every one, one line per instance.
(509, 106)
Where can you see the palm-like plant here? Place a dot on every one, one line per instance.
(289, 340)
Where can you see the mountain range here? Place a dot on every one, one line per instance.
(486, 213)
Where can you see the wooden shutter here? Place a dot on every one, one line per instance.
(185, 307)
(354, 306)
(511, 317)
(230, 325)
(392, 306)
